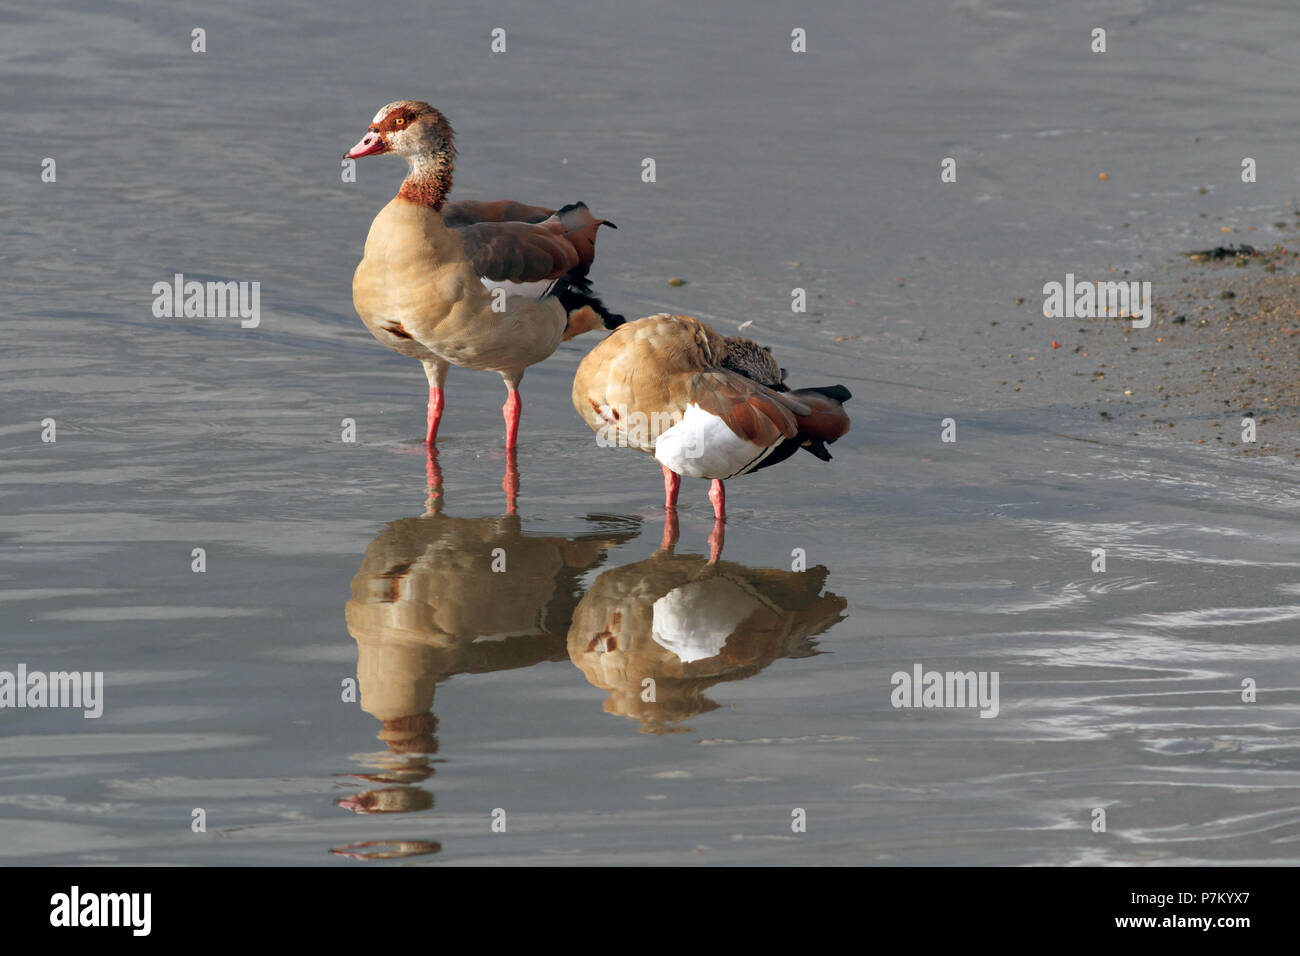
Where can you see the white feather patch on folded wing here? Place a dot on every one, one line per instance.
(531, 290)
(702, 445)
(695, 620)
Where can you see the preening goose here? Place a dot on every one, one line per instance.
(483, 285)
(704, 405)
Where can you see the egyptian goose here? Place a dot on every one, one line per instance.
(704, 405)
(428, 284)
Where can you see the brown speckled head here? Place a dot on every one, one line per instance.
(755, 362)
(421, 134)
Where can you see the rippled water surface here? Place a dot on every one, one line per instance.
(330, 565)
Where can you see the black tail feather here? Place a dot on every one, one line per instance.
(569, 207)
(818, 448)
(837, 392)
(574, 292)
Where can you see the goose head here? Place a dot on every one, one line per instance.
(411, 129)
(755, 362)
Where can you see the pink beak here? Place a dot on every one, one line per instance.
(355, 803)
(370, 144)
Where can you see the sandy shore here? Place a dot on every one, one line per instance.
(1221, 347)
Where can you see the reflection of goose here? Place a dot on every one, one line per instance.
(439, 595)
(427, 604)
(687, 624)
(389, 800)
(387, 849)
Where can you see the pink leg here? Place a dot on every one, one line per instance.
(514, 405)
(435, 414)
(718, 495)
(670, 530)
(672, 484)
(510, 483)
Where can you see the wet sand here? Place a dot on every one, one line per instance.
(1221, 348)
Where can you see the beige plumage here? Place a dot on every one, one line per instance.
(422, 287)
(439, 595)
(704, 405)
(689, 624)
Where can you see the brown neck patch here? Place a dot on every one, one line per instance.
(428, 187)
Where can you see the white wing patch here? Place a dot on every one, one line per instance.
(702, 445)
(695, 620)
(530, 290)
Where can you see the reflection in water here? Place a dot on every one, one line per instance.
(689, 623)
(438, 596)
(387, 849)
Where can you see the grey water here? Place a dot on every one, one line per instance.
(350, 682)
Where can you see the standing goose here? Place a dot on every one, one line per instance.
(427, 285)
(705, 406)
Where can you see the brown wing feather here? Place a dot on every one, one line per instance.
(519, 251)
(467, 212)
(825, 420)
(580, 229)
(754, 412)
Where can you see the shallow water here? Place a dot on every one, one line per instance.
(328, 562)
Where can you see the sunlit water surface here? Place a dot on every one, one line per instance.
(517, 696)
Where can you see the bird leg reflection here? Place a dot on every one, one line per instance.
(433, 500)
(510, 483)
(670, 530)
(716, 539)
